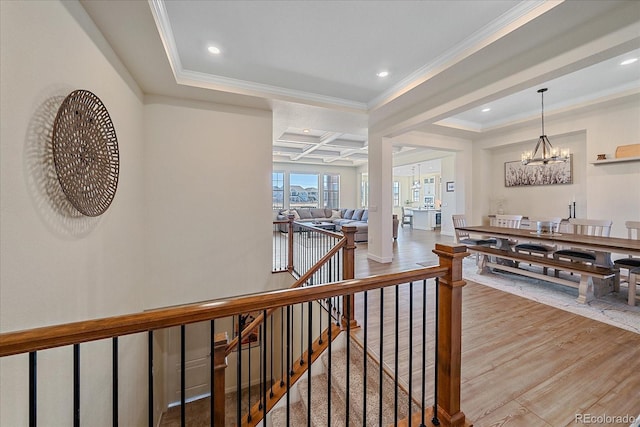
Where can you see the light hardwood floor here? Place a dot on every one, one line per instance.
(523, 363)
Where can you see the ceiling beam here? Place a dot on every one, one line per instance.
(324, 140)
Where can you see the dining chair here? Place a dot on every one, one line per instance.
(587, 227)
(508, 221)
(407, 218)
(464, 238)
(532, 248)
(631, 263)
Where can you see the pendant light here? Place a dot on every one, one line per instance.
(548, 154)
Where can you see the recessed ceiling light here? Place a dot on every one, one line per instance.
(305, 130)
(382, 74)
(628, 61)
(486, 110)
(214, 50)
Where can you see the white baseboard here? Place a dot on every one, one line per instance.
(383, 260)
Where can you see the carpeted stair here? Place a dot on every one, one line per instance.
(319, 403)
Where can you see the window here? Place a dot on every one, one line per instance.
(396, 193)
(331, 190)
(364, 190)
(303, 190)
(277, 180)
(416, 194)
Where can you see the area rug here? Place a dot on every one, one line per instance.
(611, 309)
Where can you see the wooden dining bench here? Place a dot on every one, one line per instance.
(586, 289)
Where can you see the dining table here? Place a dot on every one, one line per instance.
(602, 247)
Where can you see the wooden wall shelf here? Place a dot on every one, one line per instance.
(619, 160)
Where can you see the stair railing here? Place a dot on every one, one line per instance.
(80, 334)
(315, 255)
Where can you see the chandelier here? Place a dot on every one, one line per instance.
(415, 183)
(548, 154)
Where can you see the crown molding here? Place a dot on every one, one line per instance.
(226, 84)
(503, 25)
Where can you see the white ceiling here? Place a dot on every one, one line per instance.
(314, 63)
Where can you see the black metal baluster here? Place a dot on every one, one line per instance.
(424, 349)
(381, 355)
(410, 349)
(76, 385)
(282, 347)
(249, 371)
(435, 419)
(395, 376)
(348, 303)
(320, 322)
(150, 376)
(261, 348)
(301, 334)
(114, 387)
(329, 339)
(183, 376)
(264, 369)
(364, 362)
(309, 353)
(288, 364)
(212, 350)
(290, 330)
(33, 389)
(239, 375)
(271, 349)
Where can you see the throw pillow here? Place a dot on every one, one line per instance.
(317, 213)
(348, 214)
(365, 216)
(304, 213)
(357, 214)
(335, 214)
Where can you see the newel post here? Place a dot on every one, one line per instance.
(290, 235)
(450, 335)
(348, 273)
(219, 364)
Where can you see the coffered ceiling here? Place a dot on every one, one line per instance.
(315, 63)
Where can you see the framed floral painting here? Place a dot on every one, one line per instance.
(517, 175)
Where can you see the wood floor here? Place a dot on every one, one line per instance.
(523, 363)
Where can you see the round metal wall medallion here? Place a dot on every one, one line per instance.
(85, 152)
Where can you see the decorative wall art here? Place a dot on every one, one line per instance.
(516, 174)
(451, 186)
(85, 153)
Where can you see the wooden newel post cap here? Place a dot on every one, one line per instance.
(349, 232)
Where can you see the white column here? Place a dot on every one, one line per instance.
(380, 246)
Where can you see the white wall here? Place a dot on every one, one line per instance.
(54, 267)
(349, 179)
(190, 220)
(208, 200)
(608, 191)
(208, 196)
(541, 200)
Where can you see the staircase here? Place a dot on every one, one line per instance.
(339, 394)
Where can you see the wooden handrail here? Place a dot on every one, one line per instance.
(298, 283)
(90, 330)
